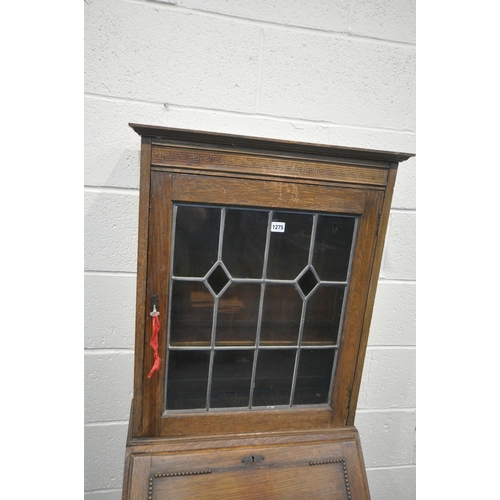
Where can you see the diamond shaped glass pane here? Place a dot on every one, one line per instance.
(218, 279)
(307, 282)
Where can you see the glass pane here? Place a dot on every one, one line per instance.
(244, 242)
(237, 314)
(231, 377)
(289, 250)
(218, 279)
(314, 376)
(322, 318)
(307, 282)
(187, 379)
(281, 315)
(332, 247)
(196, 240)
(273, 378)
(192, 314)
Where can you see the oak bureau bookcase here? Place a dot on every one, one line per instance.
(258, 262)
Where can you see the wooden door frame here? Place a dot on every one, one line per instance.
(166, 188)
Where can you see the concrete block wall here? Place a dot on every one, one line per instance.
(328, 71)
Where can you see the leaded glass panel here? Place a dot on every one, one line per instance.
(256, 306)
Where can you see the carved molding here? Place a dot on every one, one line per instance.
(252, 164)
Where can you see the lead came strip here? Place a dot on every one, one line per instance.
(302, 318)
(261, 307)
(216, 306)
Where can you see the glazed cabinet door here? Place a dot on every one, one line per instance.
(260, 286)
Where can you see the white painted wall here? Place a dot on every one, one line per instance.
(326, 71)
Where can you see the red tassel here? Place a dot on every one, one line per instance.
(154, 344)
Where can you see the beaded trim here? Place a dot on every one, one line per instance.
(209, 471)
(344, 466)
(174, 474)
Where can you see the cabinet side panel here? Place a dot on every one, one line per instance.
(139, 467)
(355, 469)
(355, 307)
(382, 230)
(142, 252)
